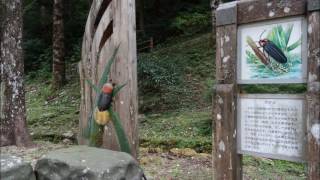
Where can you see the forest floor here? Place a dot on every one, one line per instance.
(174, 144)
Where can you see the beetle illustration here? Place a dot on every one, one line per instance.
(272, 50)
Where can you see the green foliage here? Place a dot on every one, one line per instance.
(37, 40)
(190, 23)
(185, 129)
(165, 19)
(174, 76)
(156, 76)
(263, 168)
(274, 88)
(281, 38)
(50, 114)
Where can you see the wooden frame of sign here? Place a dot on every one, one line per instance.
(230, 16)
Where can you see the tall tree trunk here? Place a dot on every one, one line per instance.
(58, 45)
(13, 128)
(214, 6)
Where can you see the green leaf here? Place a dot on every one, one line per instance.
(106, 71)
(294, 45)
(281, 37)
(122, 137)
(117, 89)
(288, 34)
(94, 87)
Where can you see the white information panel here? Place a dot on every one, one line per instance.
(272, 126)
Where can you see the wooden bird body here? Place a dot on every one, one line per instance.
(105, 97)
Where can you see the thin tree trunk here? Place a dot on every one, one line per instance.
(58, 45)
(13, 128)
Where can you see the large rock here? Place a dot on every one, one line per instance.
(88, 163)
(13, 168)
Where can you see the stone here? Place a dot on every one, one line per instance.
(14, 168)
(89, 163)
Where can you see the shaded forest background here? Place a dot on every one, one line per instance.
(175, 79)
(161, 81)
(160, 19)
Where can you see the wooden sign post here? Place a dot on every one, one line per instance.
(266, 42)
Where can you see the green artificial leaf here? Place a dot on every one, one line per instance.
(117, 89)
(94, 87)
(294, 45)
(106, 71)
(122, 137)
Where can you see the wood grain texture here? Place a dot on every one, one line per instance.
(313, 96)
(226, 53)
(94, 58)
(261, 10)
(227, 163)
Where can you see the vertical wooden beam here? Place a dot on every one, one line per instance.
(124, 70)
(226, 161)
(313, 94)
(96, 51)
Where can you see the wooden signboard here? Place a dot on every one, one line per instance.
(266, 42)
(272, 126)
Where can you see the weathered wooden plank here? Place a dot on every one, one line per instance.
(126, 69)
(313, 96)
(260, 10)
(227, 163)
(226, 53)
(226, 14)
(102, 26)
(313, 5)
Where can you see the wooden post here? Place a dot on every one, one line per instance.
(111, 23)
(227, 162)
(313, 94)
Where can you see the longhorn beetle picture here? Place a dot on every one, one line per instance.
(271, 50)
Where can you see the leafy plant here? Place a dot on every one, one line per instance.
(280, 37)
(94, 131)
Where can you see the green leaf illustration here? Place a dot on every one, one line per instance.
(294, 45)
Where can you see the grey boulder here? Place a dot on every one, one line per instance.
(13, 168)
(87, 163)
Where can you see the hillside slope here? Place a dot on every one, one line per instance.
(178, 74)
